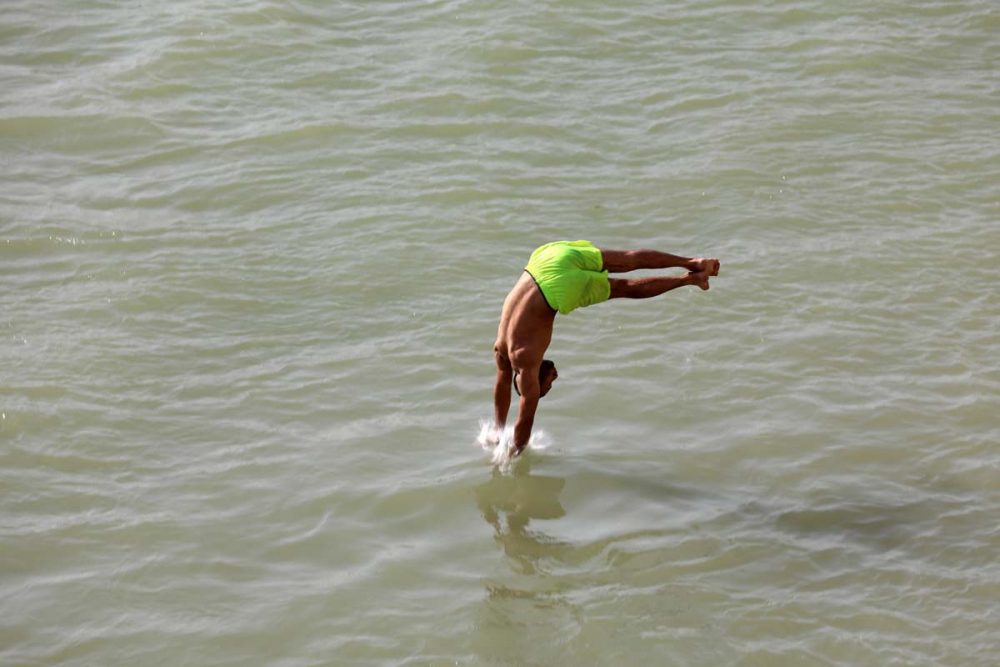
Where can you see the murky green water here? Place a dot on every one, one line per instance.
(252, 258)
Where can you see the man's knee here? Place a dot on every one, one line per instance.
(618, 261)
(621, 288)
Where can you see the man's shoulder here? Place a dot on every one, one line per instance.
(526, 358)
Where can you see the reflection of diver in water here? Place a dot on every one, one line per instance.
(524, 608)
(521, 497)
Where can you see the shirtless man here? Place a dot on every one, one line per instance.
(561, 277)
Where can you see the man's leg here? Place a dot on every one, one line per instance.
(644, 288)
(623, 261)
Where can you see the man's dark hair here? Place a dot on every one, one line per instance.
(543, 370)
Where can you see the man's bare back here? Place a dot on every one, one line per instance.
(569, 275)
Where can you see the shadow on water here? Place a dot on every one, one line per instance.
(634, 526)
(880, 526)
(538, 606)
(620, 508)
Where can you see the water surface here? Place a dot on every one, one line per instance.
(253, 260)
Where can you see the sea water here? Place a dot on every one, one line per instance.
(252, 261)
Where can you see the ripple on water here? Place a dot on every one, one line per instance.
(253, 259)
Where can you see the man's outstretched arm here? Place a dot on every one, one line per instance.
(501, 391)
(530, 393)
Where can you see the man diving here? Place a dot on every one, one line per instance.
(561, 277)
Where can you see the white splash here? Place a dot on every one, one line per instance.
(498, 443)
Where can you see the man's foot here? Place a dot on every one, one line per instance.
(699, 278)
(707, 264)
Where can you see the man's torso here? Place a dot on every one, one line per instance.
(525, 325)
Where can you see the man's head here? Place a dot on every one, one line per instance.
(547, 374)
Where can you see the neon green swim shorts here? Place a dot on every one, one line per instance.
(570, 275)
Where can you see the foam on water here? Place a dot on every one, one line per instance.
(497, 442)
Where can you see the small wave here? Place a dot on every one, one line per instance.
(497, 442)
